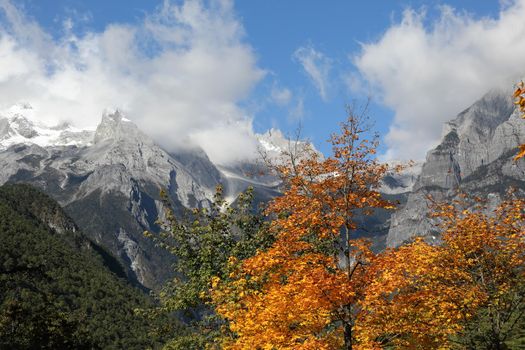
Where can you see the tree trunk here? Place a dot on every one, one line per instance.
(348, 336)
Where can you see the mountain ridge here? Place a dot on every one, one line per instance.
(475, 157)
(56, 290)
(109, 182)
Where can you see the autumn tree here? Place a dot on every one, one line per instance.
(418, 299)
(519, 100)
(492, 252)
(467, 293)
(304, 291)
(203, 240)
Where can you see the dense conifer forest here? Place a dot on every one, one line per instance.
(56, 287)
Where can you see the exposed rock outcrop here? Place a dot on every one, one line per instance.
(108, 181)
(475, 156)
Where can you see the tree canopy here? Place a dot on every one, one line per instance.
(55, 292)
(205, 240)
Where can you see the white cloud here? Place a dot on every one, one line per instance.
(317, 65)
(179, 74)
(238, 136)
(428, 74)
(296, 113)
(281, 96)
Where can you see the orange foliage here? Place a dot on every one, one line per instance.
(423, 294)
(519, 100)
(317, 287)
(304, 291)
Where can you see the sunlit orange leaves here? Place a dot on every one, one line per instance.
(519, 100)
(418, 298)
(423, 294)
(318, 287)
(519, 96)
(304, 291)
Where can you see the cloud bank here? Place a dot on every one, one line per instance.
(429, 73)
(179, 74)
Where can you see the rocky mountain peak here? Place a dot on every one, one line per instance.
(113, 114)
(19, 125)
(475, 156)
(21, 108)
(15, 125)
(14, 121)
(483, 117)
(114, 126)
(23, 126)
(395, 182)
(273, 141)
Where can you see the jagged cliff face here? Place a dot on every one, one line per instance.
(475, 157)
(109, 180)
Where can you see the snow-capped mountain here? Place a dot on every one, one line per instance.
(274, 142)
(109, 178)
(17, 126)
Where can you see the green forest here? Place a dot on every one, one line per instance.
(56, 287)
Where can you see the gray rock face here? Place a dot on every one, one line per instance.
(403, 181)
(23, 126)
(475, 156)
(109, 181)
(110, 184)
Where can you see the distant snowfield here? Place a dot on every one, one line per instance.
(18, 125)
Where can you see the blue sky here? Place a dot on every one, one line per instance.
(262, 64)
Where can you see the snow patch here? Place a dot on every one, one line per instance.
(18, 126)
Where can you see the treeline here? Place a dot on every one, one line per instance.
(294, 277)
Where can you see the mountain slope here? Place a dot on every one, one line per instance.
(475, 157)
(109, 180)
(55, 291)
(110, 186)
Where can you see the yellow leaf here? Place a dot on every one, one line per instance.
(521, 152)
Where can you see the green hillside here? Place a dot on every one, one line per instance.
(59, 290)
